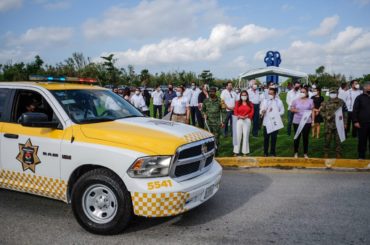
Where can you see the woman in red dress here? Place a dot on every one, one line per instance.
(244, 110)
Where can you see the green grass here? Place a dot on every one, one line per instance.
(284, 145)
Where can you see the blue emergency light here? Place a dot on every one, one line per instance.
(61, 79)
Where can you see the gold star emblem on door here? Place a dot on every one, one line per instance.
(28, 156)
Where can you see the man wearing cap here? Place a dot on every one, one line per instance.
(213, 114)
(255, 98)
(328, 111)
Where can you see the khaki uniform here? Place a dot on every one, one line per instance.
(328, 109)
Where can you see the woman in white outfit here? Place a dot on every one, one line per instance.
(244, 110)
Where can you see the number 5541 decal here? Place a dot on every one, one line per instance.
(159, 184)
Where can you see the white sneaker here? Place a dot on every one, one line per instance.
(305, 156)
(295, 155)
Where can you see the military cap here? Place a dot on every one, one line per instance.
(333, 90)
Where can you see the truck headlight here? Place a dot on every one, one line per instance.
(153, 166)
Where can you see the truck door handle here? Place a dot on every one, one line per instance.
(11, 136)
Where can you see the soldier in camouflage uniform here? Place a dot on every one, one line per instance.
(328, 109)
(213, 114)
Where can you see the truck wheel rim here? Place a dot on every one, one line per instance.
(99, 203)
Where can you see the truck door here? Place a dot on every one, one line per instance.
(4, 112)
(31, 155)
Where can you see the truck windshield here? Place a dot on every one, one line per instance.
(92, 106)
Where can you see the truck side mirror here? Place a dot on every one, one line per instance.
(37, 119)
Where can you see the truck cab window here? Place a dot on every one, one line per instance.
(31, 101)
(3, 100)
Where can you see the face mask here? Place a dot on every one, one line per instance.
(314, 93)
(137, 92)
(332, 96)
(313, 86)
(302, 95)
(178, 94)
(357, 86)
(271, 97)
(237, 91)
(243, 97)
(192, 86)
(254, 86)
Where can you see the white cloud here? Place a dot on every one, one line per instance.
(240, 63)
(16, 55)
(222, 38)
(326, 26)
(6, 5)
(153, 18)
(41, 36)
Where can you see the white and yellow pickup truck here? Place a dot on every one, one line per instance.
(87, 146)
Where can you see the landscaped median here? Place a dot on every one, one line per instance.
(290, 162)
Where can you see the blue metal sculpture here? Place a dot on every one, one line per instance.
(272, 58)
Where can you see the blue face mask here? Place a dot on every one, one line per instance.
(178, 94)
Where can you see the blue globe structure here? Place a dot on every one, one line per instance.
(272, 58)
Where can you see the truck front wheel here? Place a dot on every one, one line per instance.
(101, 202)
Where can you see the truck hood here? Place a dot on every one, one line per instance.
(148, 135)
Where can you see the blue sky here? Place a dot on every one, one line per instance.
(226, 36)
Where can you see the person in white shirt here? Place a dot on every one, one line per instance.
(228, 99)
(196, 116)
(237, 91)
(292, 95)
(350, 98)
(180, 107)
(254, 97)
(342, 91)
(265, 109)
(187, 92)
(138, 101)
(157, 96)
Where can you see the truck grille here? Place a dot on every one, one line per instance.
(193, 159)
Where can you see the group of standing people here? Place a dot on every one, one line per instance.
(241, 113)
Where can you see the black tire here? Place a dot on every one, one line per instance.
(106, 180)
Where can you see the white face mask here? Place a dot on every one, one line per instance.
(243, 97)
(332, 96)
(254, 86)
(314, 93)
(137, 92)
(193, 86)
(302, 95)
(357, 86)
(313, 86)
(178, 94)
(237, 91)
(271, 97)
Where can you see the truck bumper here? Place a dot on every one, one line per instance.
(182, 196)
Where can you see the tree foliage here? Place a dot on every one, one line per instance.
(106, 72)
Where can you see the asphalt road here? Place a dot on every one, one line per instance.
(264, 206)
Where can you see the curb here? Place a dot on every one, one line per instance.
(290, 162)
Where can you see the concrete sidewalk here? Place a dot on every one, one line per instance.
(292, 162)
